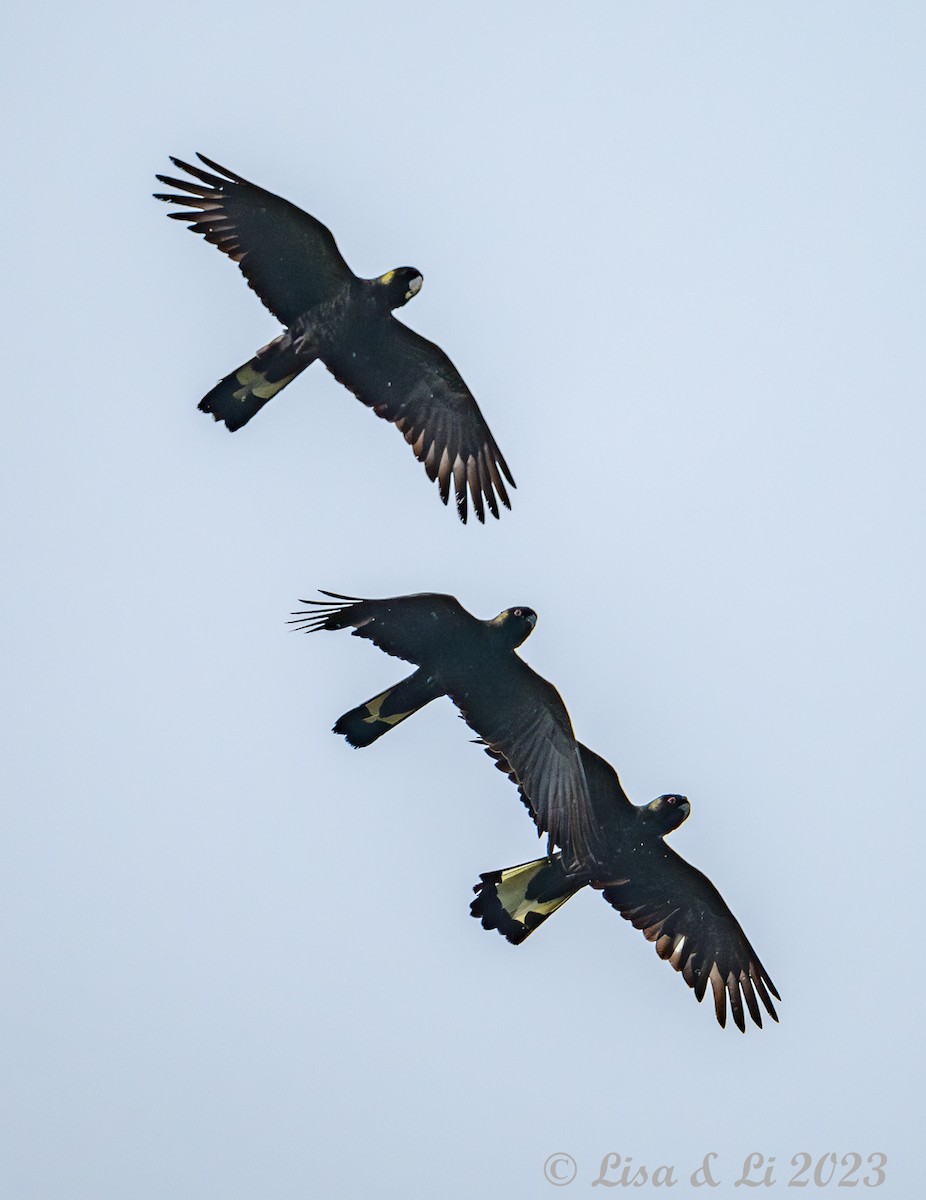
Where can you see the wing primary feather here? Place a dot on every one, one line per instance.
(499, 458)
(319, 616)
(736, 1002)
(475, 490)
(336, 596)
(213, 181)
(751, 1002)
(189, 201)
(764, 996)
(485, 482)
(720, 995)
(186, 186)
(443, 475)
(459, 486)
(221, 170)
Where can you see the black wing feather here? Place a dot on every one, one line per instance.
(679, 909)
(609, 800)
(524, 723)
(411, 382)
(419, 629)
(288, 257)
(520, 716)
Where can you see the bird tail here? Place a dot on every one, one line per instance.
(237, 397)
(518, 899)
(367, 722)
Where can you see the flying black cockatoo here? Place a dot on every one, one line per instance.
(672, 902)
(293, 264)
(513, 710)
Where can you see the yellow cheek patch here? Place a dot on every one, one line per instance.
(255, 384)
(387, 278)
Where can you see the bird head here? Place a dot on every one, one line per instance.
(669, 811)
(401, 284)
(517, 624)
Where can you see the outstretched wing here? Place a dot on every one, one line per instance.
(520, 716)
(604, 787)
(418, 629)
(680, 910)
(289, 259)
(524, 723)
(410, 381)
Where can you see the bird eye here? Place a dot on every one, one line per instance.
(671, 799)
(518, 612)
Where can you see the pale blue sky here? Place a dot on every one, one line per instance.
(676, 251)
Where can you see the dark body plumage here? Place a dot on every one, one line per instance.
(513, 710)
(292, 262)
(673, 903)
